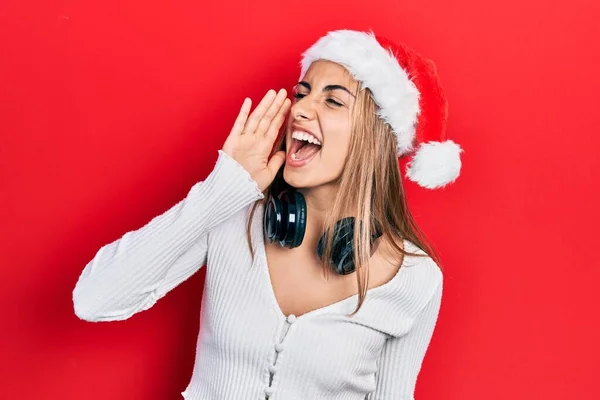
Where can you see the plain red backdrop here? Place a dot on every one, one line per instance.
(111, 110)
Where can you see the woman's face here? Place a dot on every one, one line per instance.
(319, 125)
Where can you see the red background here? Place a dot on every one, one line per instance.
(111, 110)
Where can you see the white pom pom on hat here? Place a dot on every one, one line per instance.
(408, 93)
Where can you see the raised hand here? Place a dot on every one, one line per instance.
(252, 136)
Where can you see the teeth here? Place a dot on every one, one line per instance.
(307, 137)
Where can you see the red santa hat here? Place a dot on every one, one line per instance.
(409, 96)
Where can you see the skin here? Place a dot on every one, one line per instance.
(327, 114)
(296, 274)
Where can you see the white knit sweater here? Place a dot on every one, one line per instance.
(247, 348)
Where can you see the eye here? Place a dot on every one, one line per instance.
(332, 101)
(298, 96)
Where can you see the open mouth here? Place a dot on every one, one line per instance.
(303, 149)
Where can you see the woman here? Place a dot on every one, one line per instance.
(316, 306)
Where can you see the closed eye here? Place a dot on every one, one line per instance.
(298, 96)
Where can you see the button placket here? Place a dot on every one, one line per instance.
(278, 347)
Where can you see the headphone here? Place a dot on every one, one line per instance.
(285, 222)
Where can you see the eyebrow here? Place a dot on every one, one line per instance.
(328, 88)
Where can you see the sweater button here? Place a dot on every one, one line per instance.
(291, 318)
(279, 347)
(269, 391)
(272, 368)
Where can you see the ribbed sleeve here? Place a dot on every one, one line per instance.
(402, 357)
(130, 274)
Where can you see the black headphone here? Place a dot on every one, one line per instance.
(285, 222)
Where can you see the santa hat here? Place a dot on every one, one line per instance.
(407, 90)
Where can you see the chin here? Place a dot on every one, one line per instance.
(292, 176)
(298, 177)
(306, 178)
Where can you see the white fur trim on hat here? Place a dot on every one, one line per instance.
(362, 55)
(435, 164)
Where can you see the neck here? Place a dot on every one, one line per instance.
(319, 201)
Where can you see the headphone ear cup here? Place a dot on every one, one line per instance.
(342, 254)
(299, 226)
(293, 209)
(274, 219)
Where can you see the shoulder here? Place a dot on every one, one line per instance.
(234, 229)
(425, 271)
(422, 276)
(393, 307)
(420, 264)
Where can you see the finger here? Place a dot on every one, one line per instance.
(259, 111)
(278, 120)
(240, 121)
(264, 123)
(275, 163)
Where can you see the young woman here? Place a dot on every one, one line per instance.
(319, 284)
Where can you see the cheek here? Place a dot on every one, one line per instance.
(337, 141)
(334, 157)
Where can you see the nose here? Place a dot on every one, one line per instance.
(303, 109)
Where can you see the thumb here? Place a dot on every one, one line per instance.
(276, 162)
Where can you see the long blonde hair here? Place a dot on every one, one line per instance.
(372, 174)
